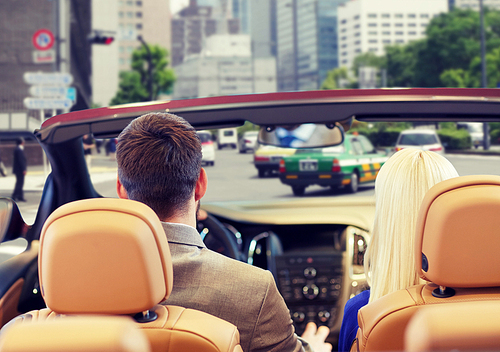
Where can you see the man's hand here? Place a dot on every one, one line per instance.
(316, 337)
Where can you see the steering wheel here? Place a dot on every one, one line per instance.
(218, 238)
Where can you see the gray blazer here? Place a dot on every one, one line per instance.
(242, 294)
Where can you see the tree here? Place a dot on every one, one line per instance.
(400, 63)
(369, 60)
(334, 78)
(133, 86)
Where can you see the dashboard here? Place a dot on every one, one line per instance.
(317, 261)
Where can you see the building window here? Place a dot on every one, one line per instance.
(130, 3)
(356, 17)
(343, 21)
(343, 46)
(357, 42)
(399, 33)
(356, 26)
(386, 33)
(386, 24)
(400, 41)
(344, 61)
(398, 15)
(357, 34)
(373, 41)
(372, 15)
(398, 25)
(424, 15)
(412, 24)
(386, 41)
(130, 14)
(358, 51)
(122, 61)
(373, 49)
(412, 33)
(138, 14)
(423, 24)
(372, 25)
(411, 15)
(138, 25)
(423, 33)
(343, 30)
(386, 15)
(343, 38)
(344, 53)
(372, 33)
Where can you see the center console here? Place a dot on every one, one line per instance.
(311, 284)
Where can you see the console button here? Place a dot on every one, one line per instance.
(310, 273)
(323, 316)
(310, 292)
(298, 317)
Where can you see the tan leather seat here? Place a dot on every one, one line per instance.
(111, 256)
(75, 334)
(457, 244)
(469, 326)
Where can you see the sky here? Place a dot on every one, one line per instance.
(176, 5)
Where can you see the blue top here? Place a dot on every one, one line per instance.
(350, 326)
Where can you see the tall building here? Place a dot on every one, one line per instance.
(474, 4)
(306, 42)
(126, 19)
(19, 21)
(193, 25)
(370, 25)
(225, 66)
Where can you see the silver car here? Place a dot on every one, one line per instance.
(420, 139)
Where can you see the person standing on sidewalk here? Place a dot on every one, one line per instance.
(19, 168)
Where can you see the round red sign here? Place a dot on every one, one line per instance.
(43, 39)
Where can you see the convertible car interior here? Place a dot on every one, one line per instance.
(314, 246)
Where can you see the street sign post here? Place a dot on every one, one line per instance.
(42, 78)
(44, 57)
(43, 39)
(51, 91)
(47, 103)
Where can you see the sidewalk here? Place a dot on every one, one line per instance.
(104, 170)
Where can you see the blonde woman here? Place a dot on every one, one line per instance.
(390, 261)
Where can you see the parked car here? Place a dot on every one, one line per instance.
(421, 139)
(248, 141)
(348, 165)
(313, 246)
(207, 147)
(267, 159)
(227, 137)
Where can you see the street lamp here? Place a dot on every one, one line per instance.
(484, 83)
(150, 67)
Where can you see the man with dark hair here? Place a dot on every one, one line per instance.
(159, 164)
(19, 167)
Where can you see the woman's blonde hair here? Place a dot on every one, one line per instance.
(399, 190)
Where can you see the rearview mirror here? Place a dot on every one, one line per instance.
(308, 135)
(12, 225)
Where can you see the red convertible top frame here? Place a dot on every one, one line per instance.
(416, 104)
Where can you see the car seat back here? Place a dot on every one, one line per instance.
(111, 256)
(457, 244)
(77, 334)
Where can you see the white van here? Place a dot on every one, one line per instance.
(227, 137)
(475, 130)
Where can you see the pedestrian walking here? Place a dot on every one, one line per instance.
(19, 168)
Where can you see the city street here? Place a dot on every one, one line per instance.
(233, 177)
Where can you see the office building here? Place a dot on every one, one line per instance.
(306, 42)
(370, 25)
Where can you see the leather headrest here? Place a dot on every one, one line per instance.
(458, 232)
(104, 256)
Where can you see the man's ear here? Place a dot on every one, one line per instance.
(120, 190)
(201, 185)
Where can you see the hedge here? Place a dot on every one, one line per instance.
(455, 139)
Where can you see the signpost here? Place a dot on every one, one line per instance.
(43, 78)
(43, 39)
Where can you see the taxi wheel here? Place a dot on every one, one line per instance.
(353, 186)
(298, 190)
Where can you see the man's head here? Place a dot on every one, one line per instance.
(19, 141)
(159, 162)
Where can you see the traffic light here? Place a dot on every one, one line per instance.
(100, 38)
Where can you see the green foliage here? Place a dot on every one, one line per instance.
(450, 54)
(495, 132)
(248, 126)
(335, 77)
(368, 59)
(381, 134)
(455, 139)
(134, 84)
